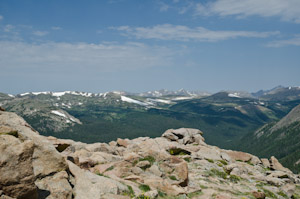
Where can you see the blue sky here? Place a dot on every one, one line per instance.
(135, 45)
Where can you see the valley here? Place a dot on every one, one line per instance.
(229, 118)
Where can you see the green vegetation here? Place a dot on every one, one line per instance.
(282, 194)
(224, 162)
(210, 160)
(161, 194)
(220, 174)
(282, 143)
(295, 196)
(12, 133)
(100, 174)
(250, 163)
(105, 119)
(150, 159)
(173, 177)
(269, 193)
(143, 197)
(234, 178)
(193, 194)
(129, 193)
(144, 187)
(178, 151)
(110, 168)
(187, 159)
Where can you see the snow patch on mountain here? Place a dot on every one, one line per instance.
(130, 100)
(159, 101)
(23, 94)
(181, 98)
(39, 93)
(69, 118)
(234, 95)
(59, 114)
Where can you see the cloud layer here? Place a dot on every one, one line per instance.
(103, 57)
(286, 10)
(288, 42)
(184, 33)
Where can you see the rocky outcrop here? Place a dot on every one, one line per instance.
(16, 171)
(177, 165)
(30, 166)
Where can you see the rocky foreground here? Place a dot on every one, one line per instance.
(177, 165)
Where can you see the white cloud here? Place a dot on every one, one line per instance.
(81, 57)
(288, 42)
(40, 33)
(56, 28)
(8, 28)
(163, 7)
(1, 17)
(287, 10)
(184, 33)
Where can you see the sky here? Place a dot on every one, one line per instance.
(133, 45)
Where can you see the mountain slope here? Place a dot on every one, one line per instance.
(277, 138)
(89, 117)
(280, 93)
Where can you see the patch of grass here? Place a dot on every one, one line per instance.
(219, 164)
(269, 194)
(295, 196)
(203, 187)
(100, 174)
(234, 178)
(142, 197)
(178, 151)
(135, 162)
(129, 193)
(149, 158)
(161, 193)
(224, 162)
(284, 176)
(249, 162)
(261, 184)
(218, 173)
(193, 194)
(210, 160)
(144, 187)
(282, 194)
(187, 159)
(172, 177)
(110, 168)
(267, 169)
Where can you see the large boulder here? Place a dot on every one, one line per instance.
(275, 164)
(16, 171)
(88, 185)
(184, 136)
(57, 186)
(29, 163)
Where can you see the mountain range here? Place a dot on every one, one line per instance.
(229, 118)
